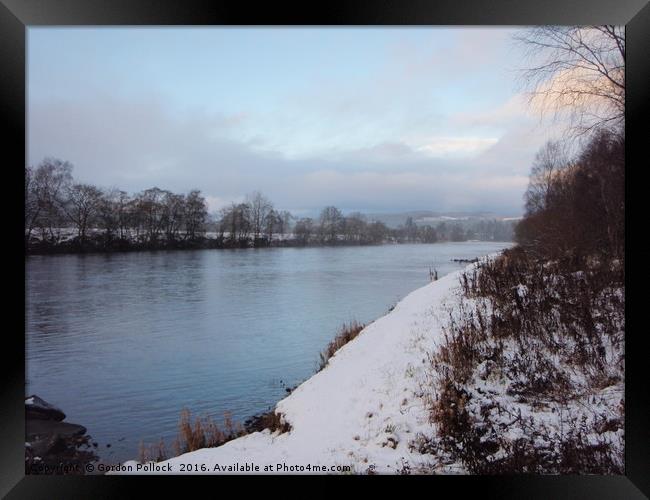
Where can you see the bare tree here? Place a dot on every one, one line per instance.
(377, 232)
(428, 234)
(82, 206)
(196, 214)
(108, 213)
(410, 229)
(124, 215)
(32, 208)
(285, 218)
(46, 185)
(331, 223)
(579, 70)
(150, 210)
(355, 225)
(583, 211)
(236, 220)
(260, 206)
(304, 229)
(173, 214)
(548, 163)
(272, 224)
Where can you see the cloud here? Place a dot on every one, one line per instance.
(456, 146)
(385, 140)
(514, 112)
(453, 54)
(136, 143)
(407, 98)
(407, 190)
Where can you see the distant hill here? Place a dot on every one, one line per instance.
(424, 217)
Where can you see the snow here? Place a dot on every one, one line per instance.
(368, 409)
(362, 411)
(29, 401)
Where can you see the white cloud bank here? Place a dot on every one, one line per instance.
(135, 144)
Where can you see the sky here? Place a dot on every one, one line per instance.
(368, 119)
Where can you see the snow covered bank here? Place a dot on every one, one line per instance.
(362, 411)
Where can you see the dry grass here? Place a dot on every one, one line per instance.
(204, 432)
(153, 452)
(539, 336)
(194, 434)
(346, 333)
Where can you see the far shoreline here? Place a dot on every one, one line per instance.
(207, 245)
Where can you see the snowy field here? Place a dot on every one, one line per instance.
(358, 415)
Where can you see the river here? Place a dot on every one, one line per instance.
(123, 342)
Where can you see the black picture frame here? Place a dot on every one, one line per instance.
(17, 15)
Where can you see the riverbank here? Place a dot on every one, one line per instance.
(365, 412)
(232, 330)
(99, 244)
(452, 381)
(53, 446)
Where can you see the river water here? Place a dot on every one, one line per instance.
(123, 342)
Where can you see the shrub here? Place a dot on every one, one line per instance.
(525, 366)
(268, 420)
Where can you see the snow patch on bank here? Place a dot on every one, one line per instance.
(363, 410)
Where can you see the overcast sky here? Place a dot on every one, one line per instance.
(366, 119)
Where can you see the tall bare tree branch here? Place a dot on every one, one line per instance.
(577, 72)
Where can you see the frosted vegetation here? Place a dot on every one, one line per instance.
(530, 377)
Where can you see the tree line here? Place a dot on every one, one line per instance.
(575, 203)
(62, 215)
(575, 206)
(105, 219)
